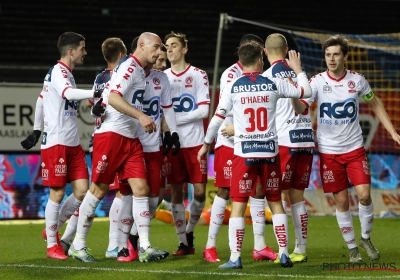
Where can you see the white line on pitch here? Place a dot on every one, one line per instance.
(197, 272)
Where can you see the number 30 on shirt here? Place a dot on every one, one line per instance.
(258, 119)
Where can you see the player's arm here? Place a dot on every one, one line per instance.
(303, 86)
(382, 115)
(120, 104)
(33, 138)
(198, 114)
(298, 105)
(75, 94)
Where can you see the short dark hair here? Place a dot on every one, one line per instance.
(249, 38)
(335, 41)
(134, 44)
(68, 40)
(111, 48)
(250, 53)
(181, 37)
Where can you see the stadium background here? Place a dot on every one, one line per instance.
(28, 49)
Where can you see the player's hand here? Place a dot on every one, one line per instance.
(147, 123)
(98, 109)
(205, 149)
(396, 138)
(228, 130)
(97, 93)
(31, 140)
(176, 143)
(294, 61)
(167, 142)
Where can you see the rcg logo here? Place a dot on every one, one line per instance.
(152, 107)
(137, 98)
(342, 110)
(184, 103)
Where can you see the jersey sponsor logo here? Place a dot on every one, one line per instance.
(345, 111)
(257, 136)
(152, 107)
(253, 88)
(299, 120)
(273, 184)
(227, 172)
(326, 88)
(184, 103)
(255, 161)
(70, 105)
(137, 98)
(45, 172)
(258, 147)
(285, 74)
(60, 169)
(44, 138)
(301, 135)
(303, 151)
(280, 233)
(245, 186)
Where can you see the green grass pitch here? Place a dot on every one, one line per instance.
(23, 254)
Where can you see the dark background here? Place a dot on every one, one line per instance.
(29, 31)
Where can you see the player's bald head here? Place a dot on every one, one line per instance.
(149, 38)
(276, 44)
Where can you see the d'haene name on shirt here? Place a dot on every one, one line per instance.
(254, 99)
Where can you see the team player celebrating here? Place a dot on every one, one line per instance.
(116, 148)
(156, 96)
(190, 98)
(296, 143)
(223, 155)
(252, 99)
(63, 159)
(340, 142)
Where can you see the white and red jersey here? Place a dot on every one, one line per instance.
(189, 89)
(252, 99)
(100, 83)
(339, 129)
(156, 95)
(129, 81)
(233, 72)
(294, 130)
(60, 114)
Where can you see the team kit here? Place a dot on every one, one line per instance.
(149, 134)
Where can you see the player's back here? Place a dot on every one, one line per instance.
(60, 114)
(294, 130)
(231, 73)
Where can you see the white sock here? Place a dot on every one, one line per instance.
(195, 212)
(300, 222)
(153, 204)
(236, 237)
(67, 209)
(345, 222)
(216, 220)
(142, 220)
(134, 230)
(51, 214)
(257, 211)
(280, 224)
(366, 215)
(86, 216)
(70, 229)
(179, 215)
(284, 204)
(125, 221)
(113, 233)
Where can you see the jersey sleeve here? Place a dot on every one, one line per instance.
(60, 81)
(125, 79)
(365, 88)
(314, 89)
(202, 88)
(166, 101)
